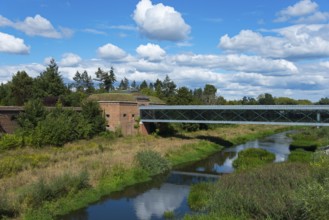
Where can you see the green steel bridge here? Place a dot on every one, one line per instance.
(306, 115)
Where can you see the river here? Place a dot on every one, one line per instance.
(149, 201)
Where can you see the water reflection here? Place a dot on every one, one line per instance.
(156, 201)
(222, 162)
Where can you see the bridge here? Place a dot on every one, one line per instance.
(306, 115)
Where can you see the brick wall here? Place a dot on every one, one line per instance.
(121, 115)
(7, 125)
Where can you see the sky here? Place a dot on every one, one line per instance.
(244, 48)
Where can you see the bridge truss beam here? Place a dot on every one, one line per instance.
(309, 115)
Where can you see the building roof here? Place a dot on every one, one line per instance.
(124, 97)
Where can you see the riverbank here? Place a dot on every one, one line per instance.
(97, 167)
(296, 189)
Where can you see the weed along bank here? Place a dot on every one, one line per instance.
(121, 111)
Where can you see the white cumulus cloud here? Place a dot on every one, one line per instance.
(70, 59)
(235, 62)
(37, 26)
(304, 11)
(110, 51)
(160, 22)
(293, 42)
(152, 52)
(11, 44)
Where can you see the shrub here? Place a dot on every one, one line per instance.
(252, 157)
(152, 162)
(37, 193)
(10, 141)
(60, 127)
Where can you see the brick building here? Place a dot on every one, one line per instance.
(123, 113)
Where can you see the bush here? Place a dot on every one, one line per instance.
(60, 127)
(10, 141)
(152, 162)
(35, 194)
(252, 157)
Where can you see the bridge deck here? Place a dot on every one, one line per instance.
(313, 115)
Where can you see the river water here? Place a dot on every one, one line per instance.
(150, 200)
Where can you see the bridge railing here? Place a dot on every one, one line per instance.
(314, 115)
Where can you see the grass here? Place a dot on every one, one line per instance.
(169, 214)
(116, 96)
(297, 189)
(263, 193)
(310, 138)
(252, 157)
(109, 162)
(301, 155)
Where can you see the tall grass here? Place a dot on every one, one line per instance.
(252, 157)
(263, 193)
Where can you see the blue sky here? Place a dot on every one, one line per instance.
(241, 47)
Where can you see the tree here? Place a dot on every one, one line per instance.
(33, 113)
(124, 84)
(285, 101)
(5, 94)
(143, 85)
(134, 85)
(83, 82)
(49, 83)
(158, 87)
(248, 101)
(93, 115)
(324, 101)
(107, 79)
(183, 97)
(21, 87)
(168, 88)
(209, 94)
(266, 99)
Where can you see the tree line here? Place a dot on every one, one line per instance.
(49, 87)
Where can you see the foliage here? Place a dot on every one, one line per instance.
(21, 87)
(83, 82)
(169, 214)
(10, 141)
(263, 193)
(199, 195)
(49, 83)
(312, 198)
(152, 162)
(12, 165)
(107, 79)
(34, 112)
(266, 99)
(310, 138)
(37, 193)
(92, 114)
(61, 126)
(252, 157)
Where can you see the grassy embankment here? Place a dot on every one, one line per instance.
(289, 190)
(47, 182)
